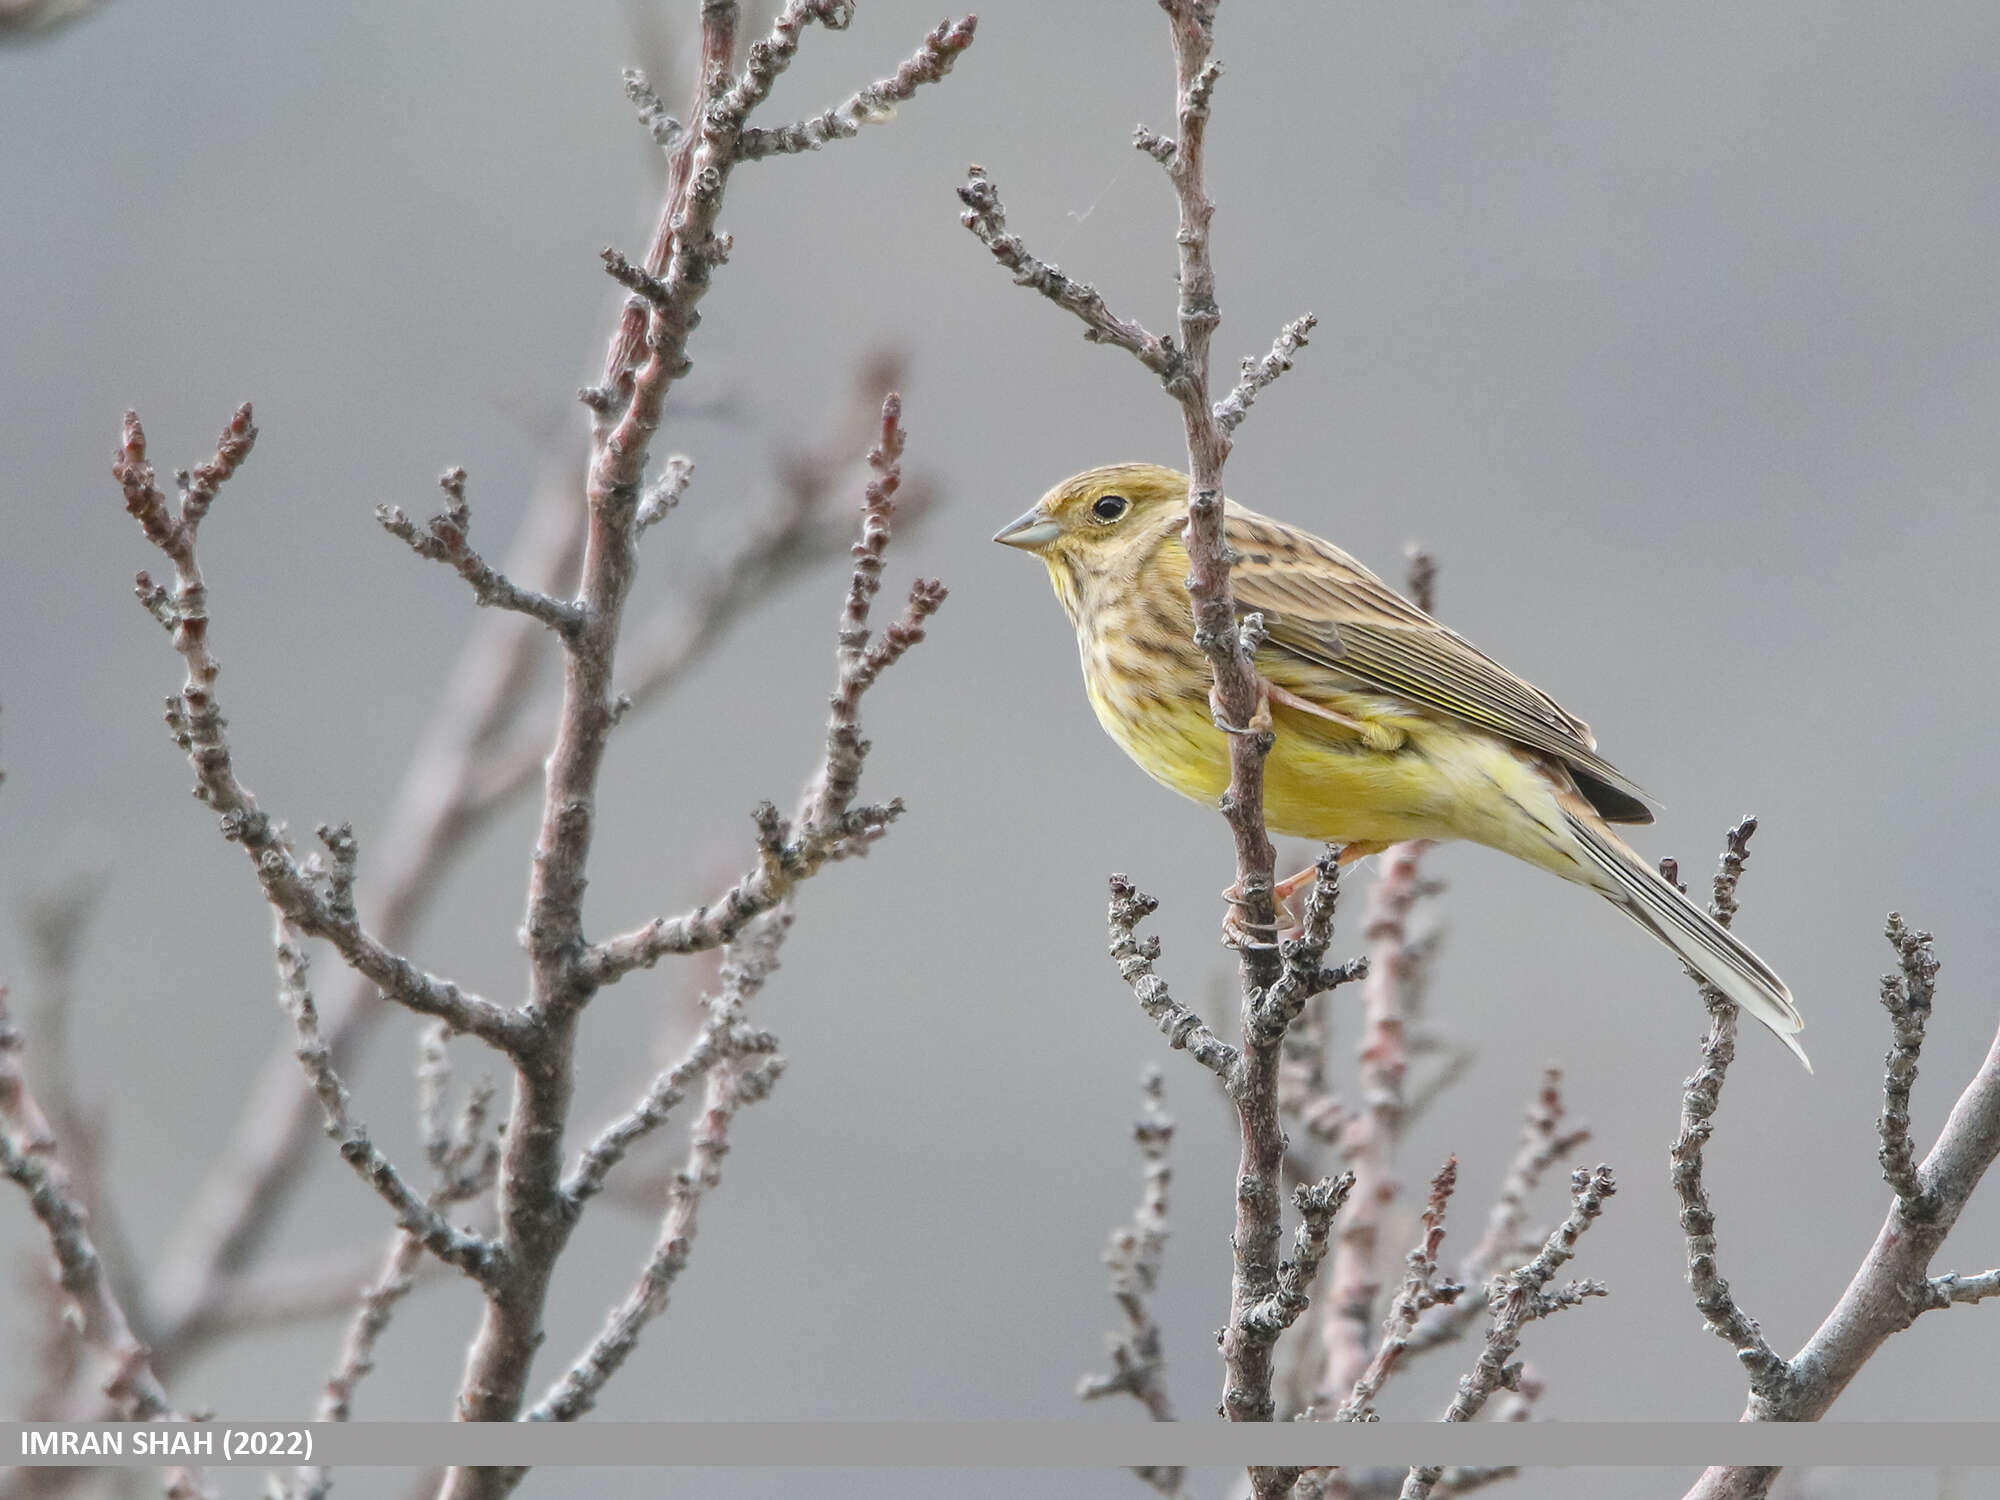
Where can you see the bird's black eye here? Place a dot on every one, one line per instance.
(1109, 507)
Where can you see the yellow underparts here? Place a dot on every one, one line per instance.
(1401, 775)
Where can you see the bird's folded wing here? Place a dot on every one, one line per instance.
(1322, 605)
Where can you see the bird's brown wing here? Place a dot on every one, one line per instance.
(1322, 605)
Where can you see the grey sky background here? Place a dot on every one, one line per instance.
(1673, 332)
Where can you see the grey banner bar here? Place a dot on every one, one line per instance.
(1005, 1444)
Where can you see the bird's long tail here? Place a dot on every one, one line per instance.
(1703, 944)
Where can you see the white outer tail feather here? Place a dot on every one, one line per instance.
(1703, 944)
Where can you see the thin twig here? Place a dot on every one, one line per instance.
(445, 538)
(471, 1253)
(1260, 373)
(1907, 995)
(1421, 1291)
(873, 104)
(1135, 957)
(1515, 1300)
(829, 826)
(1372, 1132)
(1766, 1370)
(29, 1158)
(1138, 1362)
(1893, 1286)
(733, 1081)
(723, 1037)
(1544, 1144)
(986, 216)
(316, 901)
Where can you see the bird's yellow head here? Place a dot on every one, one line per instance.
(1098, 515)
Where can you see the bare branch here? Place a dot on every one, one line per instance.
(1516, 1300)
(1544, 1144)
(1261, 373)
(738, 1079)
(1305, 1093)
(665, 130)
(445, 539)
(1893, 1286)
(829, 826)
(1766, 1370)
(29, 1159)
(1317, 1204)
(465, 1160)
(433, 817)
(1952, 1287)
(1135, 957)
(1421, 1291)
(986, 216)
(1368, 1142)
(57, 917)
(1137, 1359)
(316, 902)
(873, 104)
(723, 1038)
(29, 1155)
(1160, 147)
(471, 1253)
(664, 493)
(1907, 996)
(1304, 975)
(647, 355)
(1524, 1296)
(659, 653)
(378, 1304)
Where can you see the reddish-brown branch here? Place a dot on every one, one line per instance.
(1421, 1291)
(1369, 1139)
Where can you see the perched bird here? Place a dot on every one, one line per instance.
(1388, 726)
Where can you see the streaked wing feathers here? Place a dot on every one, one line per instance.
(1326, 607)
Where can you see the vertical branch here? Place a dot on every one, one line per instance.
(533, 1228)
(1238, 701)
(1134, 1255)
(1369, 1140)
(1421, 1291)
(719, 19)
(536, 1215)
(1260, 1173)
(1907, 996)
(1702, 1095)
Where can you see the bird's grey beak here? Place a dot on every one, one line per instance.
(1032, 532)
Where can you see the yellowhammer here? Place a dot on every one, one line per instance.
(1388, 725)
